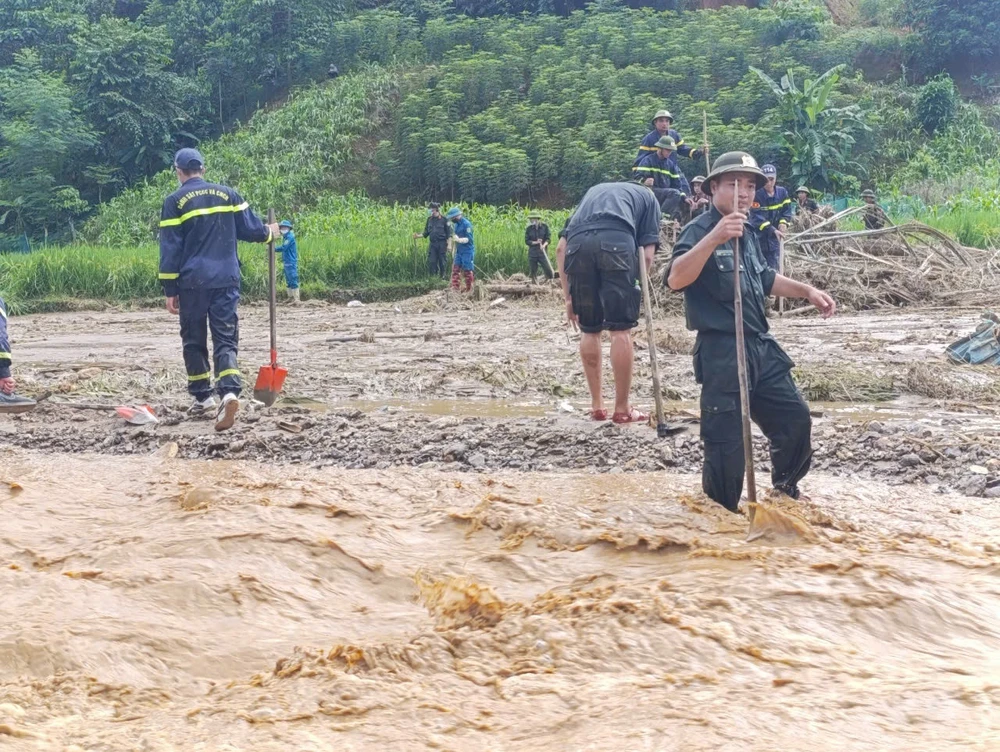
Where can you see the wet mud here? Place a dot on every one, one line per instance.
(430, 547)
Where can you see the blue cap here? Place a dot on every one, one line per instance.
(454, 212)
(284, 223)
(769, 170)
(189, 159)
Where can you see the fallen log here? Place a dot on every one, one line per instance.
(528, 289)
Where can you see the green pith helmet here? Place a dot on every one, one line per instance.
(285, 223)
(733, 161)
(662, 113)
(666, 142)
(867, 193)
(803, 189)
(698, 179)
(534, 215)
(454, 212)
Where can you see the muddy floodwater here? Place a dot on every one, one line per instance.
(430, 547)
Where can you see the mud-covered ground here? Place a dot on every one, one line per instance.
(471, 386)
(429, 546)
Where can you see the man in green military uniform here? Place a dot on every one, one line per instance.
(804, 202)
(873, 216)
(537, 237)
(703, 266)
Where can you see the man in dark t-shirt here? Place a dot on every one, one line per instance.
(599, 257)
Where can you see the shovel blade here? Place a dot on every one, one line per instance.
(270, 380)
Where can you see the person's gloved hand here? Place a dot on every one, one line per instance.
(463, 241)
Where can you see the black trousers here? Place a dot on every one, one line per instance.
(536, 257)
(775, 405)
(437, 260)
(215, 309)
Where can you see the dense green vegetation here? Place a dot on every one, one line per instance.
(96, 94)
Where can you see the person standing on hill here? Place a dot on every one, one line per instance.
(663, 123)
(465, 250)
(704, 266)
(290, 258)
(615, 227)
(438, 231)
(771, 212)
(200, 224)
(9, 402)
(537, 237)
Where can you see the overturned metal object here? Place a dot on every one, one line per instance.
(982, 347)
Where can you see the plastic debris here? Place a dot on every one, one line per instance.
(137, 416)
(982, 347)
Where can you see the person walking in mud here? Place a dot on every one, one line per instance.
(537, 237)
(703, 265)
(289, 250)
(465, 250)
(9, 401)
(438, 231)
(615, 227)
(200, 224)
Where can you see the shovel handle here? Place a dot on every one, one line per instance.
(741, 369)
(272, 289)
(644, 282)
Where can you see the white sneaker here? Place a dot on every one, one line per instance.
(226, 417)
(201, 406)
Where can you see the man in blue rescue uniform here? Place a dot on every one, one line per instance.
(200, 272)
(289, 250)
(663, 125)
(465, 250)
(9, 402)
(772, 211)
(658, 169)
(703, 266)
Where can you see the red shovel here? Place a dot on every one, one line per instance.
(271, 377)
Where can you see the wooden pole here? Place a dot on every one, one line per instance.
(661, 426)
(741, 366)
(781, 270)
(704, 139)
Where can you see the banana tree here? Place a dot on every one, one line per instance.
(819, 138)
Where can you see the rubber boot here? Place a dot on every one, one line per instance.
(293, 293)
(12, 404)
(470, 278)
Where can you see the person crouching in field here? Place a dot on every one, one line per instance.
(199, 225)
(9, 402)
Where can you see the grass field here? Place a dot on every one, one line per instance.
(347, 243)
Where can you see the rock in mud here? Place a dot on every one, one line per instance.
(909, 460)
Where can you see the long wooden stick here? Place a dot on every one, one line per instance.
(704, 139)
(781, 271)
(661, 425)
(741, 366)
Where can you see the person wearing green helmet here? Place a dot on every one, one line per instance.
(804, 203)
(874, 216)
(663, 123)
(703, 267)
(699, 201)
(537, 237)
(289, 250)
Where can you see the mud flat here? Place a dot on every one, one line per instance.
(431, 548)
